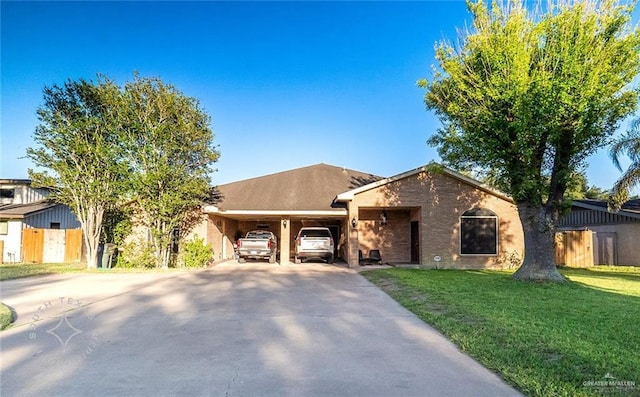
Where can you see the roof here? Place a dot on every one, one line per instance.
(15, 181)
(434, 168)
(631, 207)
(301, 190)
(19, 211)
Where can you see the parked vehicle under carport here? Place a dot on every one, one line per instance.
(314, 243)
(258, 244)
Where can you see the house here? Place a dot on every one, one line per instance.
(615, 234)
(23, 211)
(429, 216)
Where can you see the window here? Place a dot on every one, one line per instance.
(7, 193)
(54, 225)
(315, 233)
(479, 232)
(4, 227)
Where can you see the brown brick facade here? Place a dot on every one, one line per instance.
(436, 201)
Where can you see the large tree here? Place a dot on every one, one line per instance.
(527, 95)
(77, 152)
(168, 144)
(629, 145)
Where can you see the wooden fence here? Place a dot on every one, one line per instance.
(51, 245)
(574, 248)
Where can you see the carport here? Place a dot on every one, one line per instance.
(228, 226)
(283, 203)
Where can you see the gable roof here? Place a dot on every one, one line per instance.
(19, 211)
(429, 168)
(306, 189)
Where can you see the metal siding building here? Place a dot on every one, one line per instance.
(58, 217)
(24, 207)
(615, 234)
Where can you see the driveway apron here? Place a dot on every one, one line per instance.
(232, 330)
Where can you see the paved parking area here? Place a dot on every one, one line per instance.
(232, 330)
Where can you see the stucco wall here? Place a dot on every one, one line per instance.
(437, 201)
(627, 242)
(12, 250)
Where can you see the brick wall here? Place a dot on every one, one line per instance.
(437, 201)
(220, 233)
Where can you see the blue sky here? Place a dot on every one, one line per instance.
(287, 84)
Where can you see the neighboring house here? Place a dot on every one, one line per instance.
(23, 207)
(429, 216)
(615, 234)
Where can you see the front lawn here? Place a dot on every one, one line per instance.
(580, 338)
(20, 270)
(9, 271)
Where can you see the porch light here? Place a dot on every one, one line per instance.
(284, 223)
(354, 222)
(383, 218)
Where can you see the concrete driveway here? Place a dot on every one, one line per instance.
(233, 330)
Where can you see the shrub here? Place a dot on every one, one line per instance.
(511, 260)
(6, 316)
(196, 253)
(137, 254)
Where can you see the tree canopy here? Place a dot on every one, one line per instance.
(78, 152)
(144, 144)
(528, 95)
(167, 143)
(629, 145)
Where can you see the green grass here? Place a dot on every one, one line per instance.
(21, 270)
(9, 271)
(545, 339)
(6, 316)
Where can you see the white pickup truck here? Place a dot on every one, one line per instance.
(314, 243)
(258, 244)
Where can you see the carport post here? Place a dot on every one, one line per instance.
(353, 243)
(285, 240)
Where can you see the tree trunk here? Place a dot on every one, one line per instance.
(166, 253)
(539, 228)
(92, 252)
(91, 241)
(91, 224)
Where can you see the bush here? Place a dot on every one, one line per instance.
(137, 254)
(6, 316)
(116, 225)
(196, 253)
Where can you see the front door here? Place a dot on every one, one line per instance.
(335, 233)
(415, 243)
